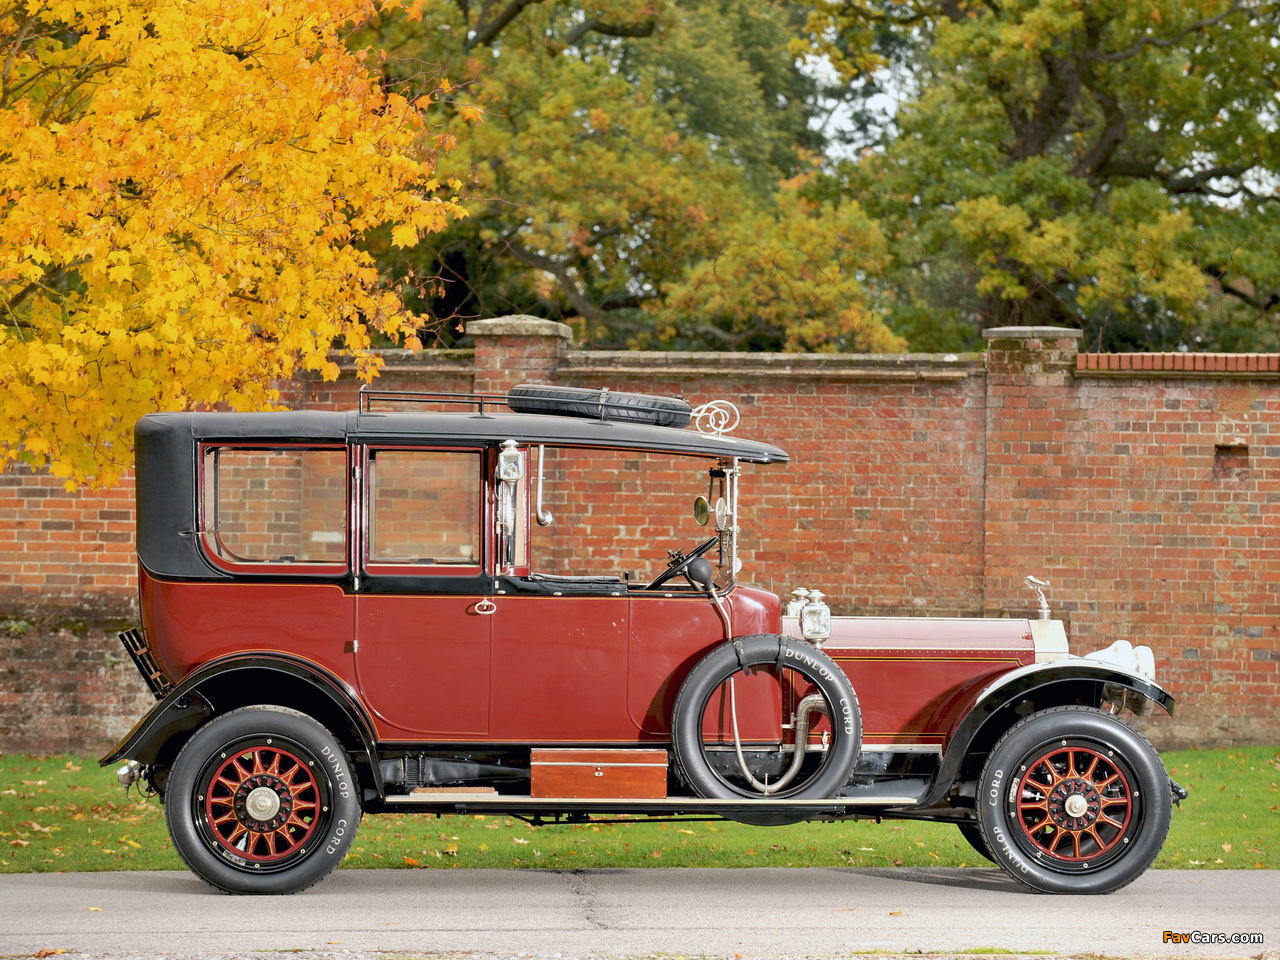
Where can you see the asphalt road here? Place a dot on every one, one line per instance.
(719, 913)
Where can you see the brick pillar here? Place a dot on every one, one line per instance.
(1028, 526)
(517, 349)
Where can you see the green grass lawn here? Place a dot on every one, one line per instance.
(64, 813)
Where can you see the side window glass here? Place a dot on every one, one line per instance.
(275, 505)
(424, 507)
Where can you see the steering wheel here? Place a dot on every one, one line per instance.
(677, 564)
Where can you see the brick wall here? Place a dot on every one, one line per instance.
(1145, 487)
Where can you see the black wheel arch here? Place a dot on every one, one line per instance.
(226, 684)
(1008, 699)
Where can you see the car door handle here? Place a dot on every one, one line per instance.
(485, 607)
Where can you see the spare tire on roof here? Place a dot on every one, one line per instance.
(602, 404)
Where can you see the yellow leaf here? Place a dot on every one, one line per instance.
(404, 236)
(412, 861)
(472, 114)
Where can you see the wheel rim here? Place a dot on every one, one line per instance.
(1075, 804)
(261, 803)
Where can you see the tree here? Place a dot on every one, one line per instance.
(628, 152)
(1107, 165)
(183, 186)
(801, 271)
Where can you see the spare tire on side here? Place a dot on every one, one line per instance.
(602, 404)
(706, 699)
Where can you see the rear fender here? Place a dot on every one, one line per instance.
(1059, 682)
(231, 682)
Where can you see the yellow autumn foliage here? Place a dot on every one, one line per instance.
(183, 186)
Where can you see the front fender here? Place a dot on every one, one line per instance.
(1009, 688)
(189, 704)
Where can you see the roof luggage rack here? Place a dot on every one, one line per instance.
(601, 403)
(477, 400)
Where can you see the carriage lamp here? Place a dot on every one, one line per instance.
(510, 469)
(815, 618)
(798, 596)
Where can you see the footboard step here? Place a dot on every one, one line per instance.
(475, 798)
(450, 793)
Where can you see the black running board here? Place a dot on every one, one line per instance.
(462, 802)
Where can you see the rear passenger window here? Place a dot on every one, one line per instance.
(424, 507)
(280, 505)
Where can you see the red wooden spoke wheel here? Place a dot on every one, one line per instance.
(261, 803)
(262, 799)
(1074, 804)
(1073, 800)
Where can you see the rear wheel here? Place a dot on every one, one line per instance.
(766, 717)
(261, 800)
(1074, 800)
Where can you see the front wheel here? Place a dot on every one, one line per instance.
(262, 800)
(972, 834)
(1074, 800)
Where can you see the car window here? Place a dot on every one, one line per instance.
(424, 507)
(284, 505)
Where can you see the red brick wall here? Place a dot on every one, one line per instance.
(1147, 493)
(1152, 503)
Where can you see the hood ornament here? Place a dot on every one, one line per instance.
(1038, 585)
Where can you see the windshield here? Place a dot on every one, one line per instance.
(618, 514)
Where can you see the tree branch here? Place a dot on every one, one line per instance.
(1113, 127)
(612, 30)
(44, 283)
(486, 32)
(1153, 41)
(728, 337)
(561, 273)
(1197, 182)
(1252, 300)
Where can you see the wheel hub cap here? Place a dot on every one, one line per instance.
(1074, 805)
(263, 803)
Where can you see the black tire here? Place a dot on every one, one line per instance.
(296, 775)
(599, 404)
(1073, 800)
(819, 780)
(972, 832)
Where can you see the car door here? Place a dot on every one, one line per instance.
(423, 631)
(559, 641)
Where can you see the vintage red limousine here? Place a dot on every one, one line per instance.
(366, 611)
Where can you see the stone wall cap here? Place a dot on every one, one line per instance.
(519, 325)
(1032, 333)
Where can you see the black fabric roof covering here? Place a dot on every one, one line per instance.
(166, 462)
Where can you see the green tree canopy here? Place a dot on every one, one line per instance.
(632, 171)
(1096, 163)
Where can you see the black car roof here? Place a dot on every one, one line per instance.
(166, 464)
(456, 428)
